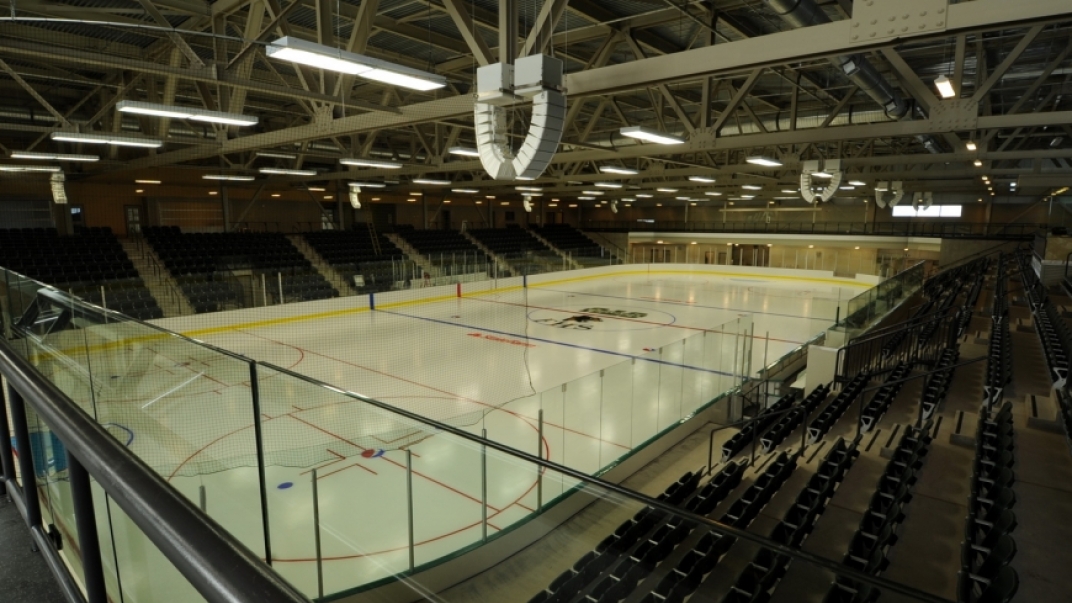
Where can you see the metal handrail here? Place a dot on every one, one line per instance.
(924, 229)
(215, 563)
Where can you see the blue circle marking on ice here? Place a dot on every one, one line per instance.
(581, 317)
(285, 485)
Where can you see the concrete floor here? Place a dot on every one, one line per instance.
(24, 576)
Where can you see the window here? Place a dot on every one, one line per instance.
(934, 211)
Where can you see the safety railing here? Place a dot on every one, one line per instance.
(61, 343)
(1012, 231)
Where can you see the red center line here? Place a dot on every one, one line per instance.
(637, 320)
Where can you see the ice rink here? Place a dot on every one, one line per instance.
(580, 368)
(610, 360)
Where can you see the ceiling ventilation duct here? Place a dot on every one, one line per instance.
(831, 167)
(897, 188)
(805, 13)
(538, 77)
(924, 199)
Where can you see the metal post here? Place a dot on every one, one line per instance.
(258, 436)
(279, 275)
(711, 452)
(86, 522)
(7, 461)
(203, 499)
(103, 299)
(264, 291)
(22, 444)
(316, 540)
(484, 488)
(409, 502)
(539, 454)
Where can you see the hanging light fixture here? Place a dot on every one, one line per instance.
(945, 86)
(764, 161)
(191, 113)
(648, 135)
(614, 169)
(312, 54)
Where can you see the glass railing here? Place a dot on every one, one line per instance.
(247, 441)
(870, 306)
(917, 228)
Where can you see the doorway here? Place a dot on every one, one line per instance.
(133, 218)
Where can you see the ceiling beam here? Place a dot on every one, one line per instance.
(467, 28)
(1011, 58)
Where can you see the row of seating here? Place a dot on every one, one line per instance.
(833, 411)
(965, 313)
(988, 547)
(937, 386)
(1064, 411)
(761, 576)
(1055, 334)
(999, 349)
(693, 568)
(870, 545)
(796, 416)
(570, 240)
(876, 408)
(611, 567)
(766, 417)
(443, 246)
(81, 264)
(510, 240)
(717, 489)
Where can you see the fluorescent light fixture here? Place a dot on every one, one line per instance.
(713, 194)
(274, 155)
(464, 151)
(585, 199)
(945, 86)
(315, 189)
(787, 198)
(191, 113)
(276, 195)
(847, 188)
(613, 169)
(666, 190)
(978, 163)
(531, 189)
(573, 205)
(146, 182)
(971, 146)
(119, 141)
(431, 181)
(683, 198)
(29, 168)
(286, 172)
(229, 177)
(751, 187)
(748, 196)
(504, 203)
(525, 178)
(789, 190)
(370, 163)
(644, 195)
(53, 156)
(367, 185)
(822, 174)
(468, 191)
(608, 185)
(857, 183)
(628, 199)
(593, 193)
(324, 57)
(764, 161)
(701, 179)
(650, 135)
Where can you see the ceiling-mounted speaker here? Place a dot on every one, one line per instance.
(355, 199)
(527, 204)
(614, 206)
(59, 193)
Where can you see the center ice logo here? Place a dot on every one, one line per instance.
(599, 319)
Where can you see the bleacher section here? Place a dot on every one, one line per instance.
(525, 253)
(583, 250)
(988, 546)
(357, 252)
(1053, 331)
(444, 247)
(218, 271)
(81, 264)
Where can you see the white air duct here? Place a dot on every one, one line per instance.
(924, 199)
(355, 198)
(897, 188)
(831, 167)
(614, 207)
(538, 77)
(527, 204)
